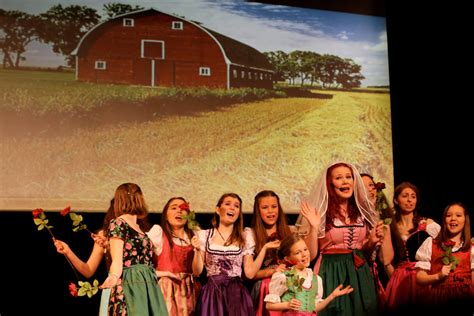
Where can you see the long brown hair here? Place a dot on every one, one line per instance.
(443, 235)
(238, 227)
(333, 199)
(129, 199)
(258, 226)
(167, 229)
(398, 244)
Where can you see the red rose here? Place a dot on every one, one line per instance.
(73, 289)
(422, 225)
(288, 263)
(274, 236)
(66, 211)
(37, 212)
(379, 186)
(184, 206)
(449, 243)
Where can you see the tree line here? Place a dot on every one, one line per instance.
(63, 27)
(328, 71)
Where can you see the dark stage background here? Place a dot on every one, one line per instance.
(431, 136)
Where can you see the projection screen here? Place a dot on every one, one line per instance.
(145, 99)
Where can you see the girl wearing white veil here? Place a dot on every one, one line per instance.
(339, 221)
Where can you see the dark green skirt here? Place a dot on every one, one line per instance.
(338, 269)
(142, 294)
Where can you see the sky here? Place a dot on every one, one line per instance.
(262, 26)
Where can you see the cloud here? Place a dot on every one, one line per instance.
(264, 27)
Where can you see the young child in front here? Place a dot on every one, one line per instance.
(307, 300)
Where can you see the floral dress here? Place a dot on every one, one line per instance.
(224, 294)
(137, 292)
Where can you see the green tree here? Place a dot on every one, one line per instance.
(349, 76)
(279, 60)
(113, 9)
(18, 29)
(63, 27)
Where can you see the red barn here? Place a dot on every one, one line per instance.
(153, 48)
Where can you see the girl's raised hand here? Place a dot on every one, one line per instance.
(311, 214)
(272, 244)
(61, 247)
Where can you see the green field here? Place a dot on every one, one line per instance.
(279, 144)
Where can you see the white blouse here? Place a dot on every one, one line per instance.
(423, 255)
(156, 236)
(278, 286)
(249, 244)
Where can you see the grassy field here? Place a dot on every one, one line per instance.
(279, 144)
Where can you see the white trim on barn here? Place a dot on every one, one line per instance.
(153, 73)
(205, 71)
(128, 22)
(100, 65)
(177, 25)
(142, 48)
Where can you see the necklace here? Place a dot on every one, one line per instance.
(224, 239)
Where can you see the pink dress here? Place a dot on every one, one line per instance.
(341, 261)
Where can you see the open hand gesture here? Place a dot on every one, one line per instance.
(311, 214)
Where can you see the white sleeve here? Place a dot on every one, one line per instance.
(276, 288)
(433, 229)
(249, 245)
(156, 236)
(319, 295)
(472, 256)
(423, 255)
(202, 235)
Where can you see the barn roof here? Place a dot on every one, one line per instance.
(240, 53)
(234, 52)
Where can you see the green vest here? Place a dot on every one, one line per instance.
(306, 297)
